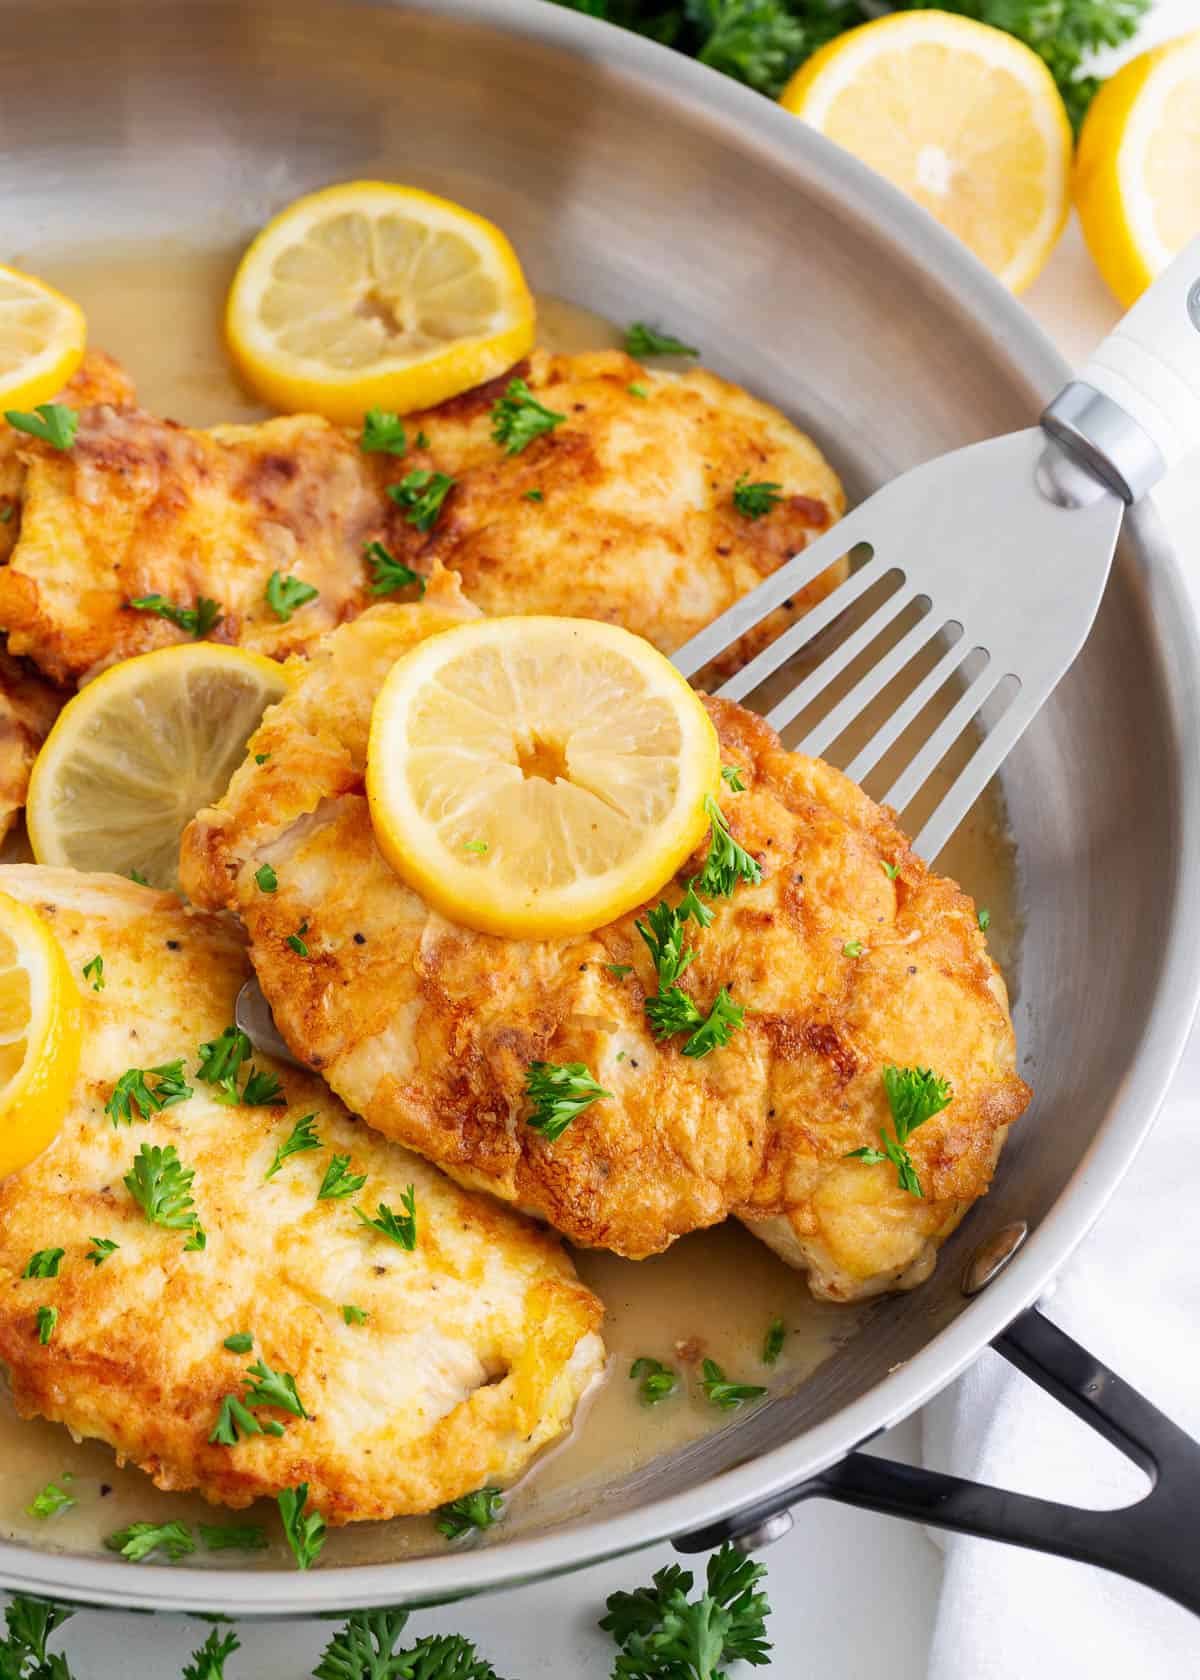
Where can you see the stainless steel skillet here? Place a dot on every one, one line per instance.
(643, 185)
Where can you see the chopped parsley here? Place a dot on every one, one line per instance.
(339, 1181)
(354, 1315)
(53, 423)
(400, 1228)
(261, 758)
(985, 920)
(51, 1500)
(752, 501)
(852, 948)
(237, 1537)
(641, 340)
(44, 1263)
(161, 1186)
(365, 1649)
(47, 1318)
(389, 574)
(383, 433)
(727, 863)
(301, 1137)
(473, 1513)
(914, 1095)
(235, 1420)
(265, 878)
(93, 970)
(732, 775)
(662, 934)
(30, 1622)
(422, 441)
(559, 1091)
(518, 417)
(100, 1250)
(654, 1379)
(208, 1662)
(619, 970)
(197, 620)
(6, 513)
(773, 1341)
(534, 496)
(141, 1538)
(138, 879)
(131, 1092)
(240, 1342)
(285, 594)
(673, 1011)
(304, 1534)
(421, 493)
(636, 390)
(296, 940)
(265, 1387)
(479, 847)
(221, 1062)
(891, 870)
(662, 1635)
(262, 1090)
(727, 1395)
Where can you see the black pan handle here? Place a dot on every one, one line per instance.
(1152, 1541)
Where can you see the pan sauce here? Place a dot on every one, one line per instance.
(157, 309)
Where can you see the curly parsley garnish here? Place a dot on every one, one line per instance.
(383, 433)
(51, 1500)
(727, 1395)
(518, 418)
(752, 501)
(473, 1513)
(100, 1250)
(301, 1137)
(161, 1186)
(365, 1649)
(285, 594)
(654, 1379)
(53, 423)
(731, 774)
(221, 1062)
(727, 863)
(197, 620)
(262, 1090)
(400, 1228)
(339, 1181)
(30, 1622)
(141, 1538)
(265, 1387)
(131, 1092)
(389, 574)
(304, 1534)
(421, 493)
(559, 1091)
(93, 970)
(673, 1011)
(208, 1662)
(44, 1263)
(641, 340)
(662, 1635)
(914, 1095)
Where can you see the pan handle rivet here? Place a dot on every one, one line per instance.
(991, 1257)
(1193, 305)
(764, 1533)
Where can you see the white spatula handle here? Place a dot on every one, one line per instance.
(1150, 364)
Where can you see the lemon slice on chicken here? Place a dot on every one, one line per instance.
(139, 751)
(375, 295)
(538, 777)
(39, 1035)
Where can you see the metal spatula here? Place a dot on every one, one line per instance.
(1007, 545)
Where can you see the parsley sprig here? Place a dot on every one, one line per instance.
(723, 1393)
(559, 1092)
(655, 1380)
(221, 1061)
(470, 1514)
(389, 574)
(518, 417)
(29, 1623)
(53, 423)
(100, 1250)
(304, 1534)
(301, 1137)
(48, 1502)
(664, 1635)
(141, 1538)
(421, 493)
(339, 1181)
(914, 1095)
(208, 1662)
(365, 1649)
(400, 1228)
(162, 1187)
(752, 501)
(641, 341)
(132, 1091)
(382, 433)
(285, 594)
(197, 620)
(44, 1263)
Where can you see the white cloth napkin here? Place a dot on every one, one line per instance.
(1132, 1297)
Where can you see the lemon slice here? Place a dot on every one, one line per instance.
(1137, 172)
(39, 1035)
(372, 295)
(964, 118)
(42, 339)
(139, 751)
(538, 776)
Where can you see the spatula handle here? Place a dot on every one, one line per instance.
(1150, 364)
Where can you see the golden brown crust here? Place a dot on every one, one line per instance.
(28, 708)
(636, 522)
(427, 1029)
(477, 1346)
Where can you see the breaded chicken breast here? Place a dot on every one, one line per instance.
(474, 1348)
(624, 511)
(142, 507)
(28, 708)
(428, 1029)
(98, 379)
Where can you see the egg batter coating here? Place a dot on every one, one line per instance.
(427, 1029)
(476, 1345)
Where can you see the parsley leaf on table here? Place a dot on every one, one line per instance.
(365, 1649)
(664, 1635)
(30, 1622)
(208, 1663)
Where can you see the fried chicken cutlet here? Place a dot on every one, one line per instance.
(625, 510)
(427, 1029)
(474, 1348)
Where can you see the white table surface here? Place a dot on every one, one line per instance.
(819, 1573)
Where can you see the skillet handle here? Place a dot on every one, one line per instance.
(1152, 1541)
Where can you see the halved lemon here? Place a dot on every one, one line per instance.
(39, 1035)
(963, 117)
(42, 339)
(538, 776)
(1137, 172)
(140, 750)
(375, 295)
